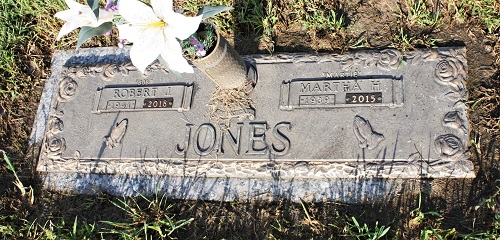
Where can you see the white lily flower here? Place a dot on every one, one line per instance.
(79, 15)
(153, 32)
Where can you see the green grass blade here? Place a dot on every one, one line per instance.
(74, 227)
(9, 164)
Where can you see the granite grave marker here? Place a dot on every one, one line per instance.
(325, 126)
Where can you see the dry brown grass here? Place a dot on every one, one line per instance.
(228, 104)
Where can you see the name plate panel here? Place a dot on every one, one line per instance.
(327, 93)
(143, 98)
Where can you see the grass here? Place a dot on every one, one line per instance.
(417, 21)
(146, 218)
(488, 11)
(319, 19)
(27, 33)
(419, 14)
(23, 23)
(149, 222)
(365, 232)
(25, 191)
(224, 20)
(17, 18)
(432, 227)
(402, 41)
(315, 17)
(61, 229)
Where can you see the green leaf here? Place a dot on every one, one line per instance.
(210, 11)
(94, 5)
(88, 32)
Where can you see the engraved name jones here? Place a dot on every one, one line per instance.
(205, 139)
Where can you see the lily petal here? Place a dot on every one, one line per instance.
(176, 62)
(147, 48)
(181, 26)
(155, 31)
(105, 16)
(162, 8)
(80, 16)
(137, 12)
(66, 28)
(67, 15)
(129, 32)
(173, 56)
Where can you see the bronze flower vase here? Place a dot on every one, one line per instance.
(224, 65)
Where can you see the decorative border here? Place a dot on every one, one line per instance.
(108, 71)
(450, 70)
(384, 59)
(412, 168)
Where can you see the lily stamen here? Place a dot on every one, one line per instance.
(158, 24)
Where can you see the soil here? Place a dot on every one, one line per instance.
(458, 203)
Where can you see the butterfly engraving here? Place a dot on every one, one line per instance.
(117, 134)
(366, 136)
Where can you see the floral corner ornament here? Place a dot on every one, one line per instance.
(451, 70)
(155, 31)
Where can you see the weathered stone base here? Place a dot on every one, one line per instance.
(233, 189)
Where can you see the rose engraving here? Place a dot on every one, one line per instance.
(67, 88)
(450, 71)
(389, 59)
(156, 66)
(109, 72)
(419, 56)
(55, 146)
(89, 70)
(446, 71)
(346, 63)
(449, 147)
(56, 125)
